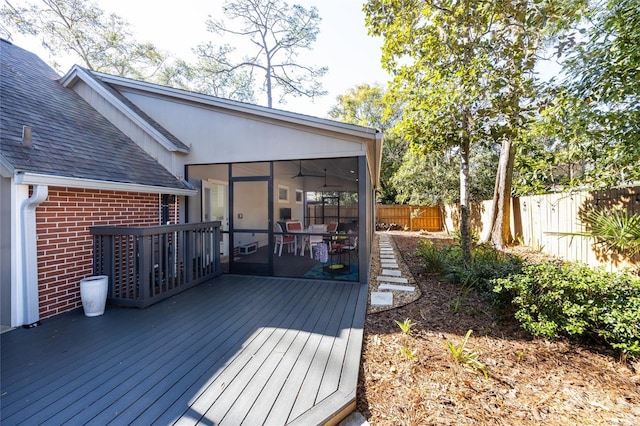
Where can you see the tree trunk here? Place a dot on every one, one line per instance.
(465, 234)
(499, 232)
(269, 88)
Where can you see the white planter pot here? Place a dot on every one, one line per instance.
(93, 292)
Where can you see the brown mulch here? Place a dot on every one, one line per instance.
(530, 381)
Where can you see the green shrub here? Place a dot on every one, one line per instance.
(433, 256)
(567, 299)
(486, 264)
(615, 230)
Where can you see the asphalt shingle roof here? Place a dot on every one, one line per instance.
(70, 138)
(164, 132)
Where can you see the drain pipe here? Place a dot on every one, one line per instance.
(30, 255)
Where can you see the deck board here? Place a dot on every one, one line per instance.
(87, 379)
(209, 350)
(236, 350)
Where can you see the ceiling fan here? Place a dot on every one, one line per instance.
(300, 174)
(325, 181)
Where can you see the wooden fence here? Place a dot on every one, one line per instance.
(412, 218)
(536, 219)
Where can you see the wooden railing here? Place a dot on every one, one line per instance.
(150, 263)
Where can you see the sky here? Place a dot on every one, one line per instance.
(342, 45)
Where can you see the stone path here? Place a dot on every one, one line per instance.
(391, 277)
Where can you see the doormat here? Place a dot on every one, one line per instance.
(322, 271)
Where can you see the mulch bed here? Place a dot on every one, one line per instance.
(530, 381)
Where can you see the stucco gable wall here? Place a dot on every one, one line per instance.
(217, 135)
(164, 157)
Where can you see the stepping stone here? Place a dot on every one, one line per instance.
(391, 273)
(388, 264)
(397, 280)
(383, 245)
(387, 255)
(379, 298)
(396, 287)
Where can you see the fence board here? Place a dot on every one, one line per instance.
(413, 218)
(535, 218)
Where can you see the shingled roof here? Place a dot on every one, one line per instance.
(176, 144)
(69, 138)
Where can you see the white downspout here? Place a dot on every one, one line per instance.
(30, 255)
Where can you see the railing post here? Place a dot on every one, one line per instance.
(144, 248)
(216, 247)
(188, 256)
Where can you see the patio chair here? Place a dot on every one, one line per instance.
(352, 244)
(332, 228)
(295, 226)
(282, 240)
(313, 240)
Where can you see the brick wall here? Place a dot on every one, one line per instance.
(65, 245)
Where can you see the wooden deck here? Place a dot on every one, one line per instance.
(235, 350)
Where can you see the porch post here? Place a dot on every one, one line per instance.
(363, 221)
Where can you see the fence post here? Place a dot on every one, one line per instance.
(410, 218)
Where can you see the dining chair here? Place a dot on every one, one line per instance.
(282, 240)
(314, 240)
(295, 226)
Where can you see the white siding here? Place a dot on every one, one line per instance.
(218, 136)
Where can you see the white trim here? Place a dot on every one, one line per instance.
(18, 306)
(6, 170)
(26, 178)
(77, 72)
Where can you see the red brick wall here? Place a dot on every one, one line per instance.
(65, 245)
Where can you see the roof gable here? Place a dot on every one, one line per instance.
(125, 88)
(155, 130)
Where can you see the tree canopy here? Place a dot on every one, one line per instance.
(271, 34)
(79, 27)
(590, 133)
(464, 71)
(364, 105)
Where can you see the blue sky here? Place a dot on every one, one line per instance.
(343, 45)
